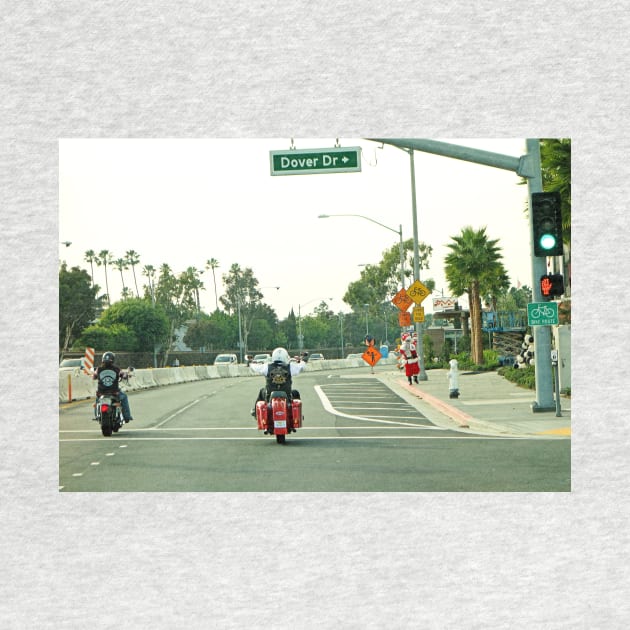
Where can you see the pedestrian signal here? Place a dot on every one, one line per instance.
(551, 285)
(547, 224)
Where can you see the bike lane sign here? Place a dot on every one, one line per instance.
(542, 314)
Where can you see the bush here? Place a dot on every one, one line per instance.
(523, 377)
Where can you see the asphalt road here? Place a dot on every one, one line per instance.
(358, 435)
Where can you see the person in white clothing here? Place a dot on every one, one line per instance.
(279, 374)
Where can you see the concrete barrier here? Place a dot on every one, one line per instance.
(83, 386)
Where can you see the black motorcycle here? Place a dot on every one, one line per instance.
(108, 410)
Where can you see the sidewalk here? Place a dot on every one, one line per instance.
(488, 404)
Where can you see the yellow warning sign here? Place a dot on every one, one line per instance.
(417, 292)
(418, 313)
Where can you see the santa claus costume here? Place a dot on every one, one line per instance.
(409, 355)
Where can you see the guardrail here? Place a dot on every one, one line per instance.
(75, 385)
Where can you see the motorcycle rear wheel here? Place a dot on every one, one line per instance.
(280, 438)
(106, 424)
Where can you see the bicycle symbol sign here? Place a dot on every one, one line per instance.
(542, 314)
(417, 292)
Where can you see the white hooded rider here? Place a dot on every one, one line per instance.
(278, 373)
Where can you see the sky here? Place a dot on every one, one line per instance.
(185, 201)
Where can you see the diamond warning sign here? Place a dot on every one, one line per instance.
(371, 356)
(402, 300)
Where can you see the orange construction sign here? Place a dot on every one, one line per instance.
(404, 319)
(371, 356)
(402, 300)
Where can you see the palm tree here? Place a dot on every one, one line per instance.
(91, 257)
(213, 264)
(120, 264)
(104, 258)
(149, 272)
(133, 258)
(474, 267)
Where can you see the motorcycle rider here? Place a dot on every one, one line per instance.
(278, 374)
(108, 376)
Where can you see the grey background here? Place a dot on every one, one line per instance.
(304, 69)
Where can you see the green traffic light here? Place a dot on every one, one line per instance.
(547, 241)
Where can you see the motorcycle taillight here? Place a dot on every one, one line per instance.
(104, 407)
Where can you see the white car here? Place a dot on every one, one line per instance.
(261, 358)
(316, 356)
(71, 364)
(226, 359)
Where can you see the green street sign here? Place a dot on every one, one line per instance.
(542, 314)
(312, 161)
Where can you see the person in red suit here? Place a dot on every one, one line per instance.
(409, 355)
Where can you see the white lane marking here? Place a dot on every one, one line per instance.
(340, 438)
(174, 415)
(95, 464)
(335, 412)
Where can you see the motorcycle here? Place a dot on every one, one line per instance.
(279, 417)
(108, 410)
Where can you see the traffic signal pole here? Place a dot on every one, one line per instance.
(542, 334)
(527, 166)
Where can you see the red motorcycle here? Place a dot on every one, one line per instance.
(279, 416)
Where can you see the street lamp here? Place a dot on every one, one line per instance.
(398, 231)
(367, 306)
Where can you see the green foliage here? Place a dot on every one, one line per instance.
(117, 337)
(77, 303)
(149, 324)
(524, 377)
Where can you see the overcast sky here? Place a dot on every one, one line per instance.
(182, 202)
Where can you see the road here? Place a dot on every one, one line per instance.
(358, 436)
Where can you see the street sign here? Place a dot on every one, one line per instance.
(371, 356)
(404, 319)
(418, 313)
(402, 300)
(542, 314)
(417, 292)
(312, 161)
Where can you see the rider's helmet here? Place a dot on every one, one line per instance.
(108, 357)
(280, 355)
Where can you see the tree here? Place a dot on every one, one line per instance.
(133, 258)
(241, 297)
(91, 257)
(473, 267)
(148, 324)
(213, 264)
(117, 337)
(149, 272)
(555, 162)
(78, 304)
(380, 282)
(121, 264)
(104, 258)
(215, 331)
(176, 295)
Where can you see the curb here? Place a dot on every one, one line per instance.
(461, 417)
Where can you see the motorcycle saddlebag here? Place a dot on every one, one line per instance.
(261, 415)
(296, 412)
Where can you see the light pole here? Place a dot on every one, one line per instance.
(398, 231)
(341, 332)
(366, 306)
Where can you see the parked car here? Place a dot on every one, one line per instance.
(316, 356)
(261, 358)
(354, 355)
(71, 364)
(226, 359)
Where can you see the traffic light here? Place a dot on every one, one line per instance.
(551, 285)
(547, 223)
